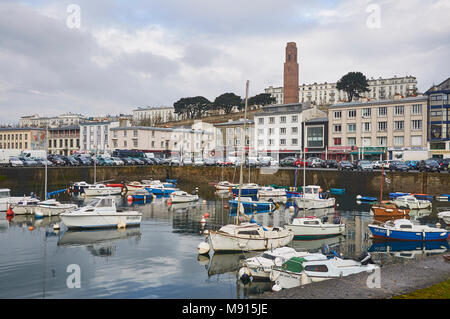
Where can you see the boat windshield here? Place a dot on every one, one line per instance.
(94, 202)
(4, 194)
(268, 256)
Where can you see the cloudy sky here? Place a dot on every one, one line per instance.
(131, 53)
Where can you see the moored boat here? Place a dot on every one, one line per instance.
(102, 190)
(52, 207)
(313, 199)
(249, 189)
(445, 216)
(388, 209)
(101, 212)
(225, 185)
(26, 206)
(253, 206)
(311, 227)
(411, 202)
(141, 195)
(403, 229)
(183, 197)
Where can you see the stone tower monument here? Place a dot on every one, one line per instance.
(291, 74)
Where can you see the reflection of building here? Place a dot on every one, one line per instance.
(326, 93)
(439, 119)
(22, 138)
(64, 140)
(229, 137)
(383, 128)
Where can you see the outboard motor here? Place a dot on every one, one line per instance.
(365, 258)
(325, 249)
(324, 219)
(336, 220)
(325, 195)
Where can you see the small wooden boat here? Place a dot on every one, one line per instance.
(141, 195)
(225, 185)
(388, 209)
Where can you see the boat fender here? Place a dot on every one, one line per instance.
(276, 287)
(245, 275)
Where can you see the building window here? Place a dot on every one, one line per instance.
(416, 140)
(282, 141)
(260, 131)
(124, 143)
(260, 142)
(416, 125)
(382, 141)
(366, 112)
(399, 110)
(382, 111)
(337, 128)
(416, 109)
(351, 127)
(366, 127)
(125, 133)
(261, 120)
(294, 119)
(270, 131)
(135, 143)
(337, 114)
(135, 133)
(351, 114)
(351, 141)
(382, 126)
(399, 140)
(399, 125)
(294, 141)
(271, 120)
(337, 141)
(294, 130)
(283, 119)
(314, 136)
(271, 142)
(283, 130)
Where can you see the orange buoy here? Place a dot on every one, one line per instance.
(206, 215)
(130, 198)
(9, 212)
(31, 228)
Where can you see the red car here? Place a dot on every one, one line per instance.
(300, 163)
(224, 163)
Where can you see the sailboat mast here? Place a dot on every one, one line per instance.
(241, 176)
(46, 156)
(304, 164)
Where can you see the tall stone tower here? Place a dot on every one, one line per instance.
(291, 74)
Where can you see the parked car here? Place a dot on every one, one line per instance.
(429, 166)
(210, 161)
(127, 160)
(15, 162)
(300, 163)
(251, 162)
(73, 161)
(364, 166)
(288, 161)
(443, 163)
(109, 161)
(28, 162)
(146, 160)
(398, 166)
(198, 161)
(386, 164)
(314, 162)
(412, 164)
(377, 164)
(345, 165)
(137, 161)
(224, 163)
(264, 160)
(117, 161)
(163, 161)
(175, 161)
(274, 162)
(43, 161)
(187, 161)
(56, 160)
(329, 164)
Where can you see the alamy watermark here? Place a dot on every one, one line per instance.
(374, 279)
(74, 279)
(374, 19)
(73, 20)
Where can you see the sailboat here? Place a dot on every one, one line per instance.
(245, 236)
(50, 207)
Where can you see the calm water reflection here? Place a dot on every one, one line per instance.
(159, 259)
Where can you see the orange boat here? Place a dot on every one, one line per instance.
(388, 209)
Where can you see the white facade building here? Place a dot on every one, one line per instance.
(326, 93)
(67, 119)
(95, 136)
(155, 115)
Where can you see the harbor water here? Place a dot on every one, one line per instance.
(159, 258)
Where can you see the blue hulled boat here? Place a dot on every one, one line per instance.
(366, 198)
(337, 191)
(397, 194)
(142, 195)
(404, 229)
(247, 190)
(161, 190)
(252, 206)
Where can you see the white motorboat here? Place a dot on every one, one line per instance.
(410, 202)
(312, 199)
(52, 207)
(299, 271)
(248, 237)
(225, 185)
(311, 227)
(445, 216)
(101, 212)
(102, 190)
(277, 195)
(259, 267)
(26, 206)
(6, 200)
(79, 187)
(183, 197)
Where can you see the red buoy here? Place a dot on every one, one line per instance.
(9, 212)
(206, 215)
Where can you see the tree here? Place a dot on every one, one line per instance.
(192, 107)
(259, 100)
(354, 84)
(226, 102)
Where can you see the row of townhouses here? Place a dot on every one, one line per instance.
(401, 127)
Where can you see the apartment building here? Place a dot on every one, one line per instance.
(66, 119)
(326, 93)
(230, 139)
(95, 136)
(154, 115)
(439, 120)
(22, 138)
(64, 140)
(387, 129)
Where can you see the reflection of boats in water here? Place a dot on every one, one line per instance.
(182, 206)
(87, 237)
(224, 263)
(419, 213)
(254, 288)
(409, 249)
(4, 223)
(313, 245)
(318, 212)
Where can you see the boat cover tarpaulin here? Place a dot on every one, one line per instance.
(295, 264)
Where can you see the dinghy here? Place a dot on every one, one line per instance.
(443, 198)
(183, 197)
(142, 195)
(51, 207)
(225, 185)
(311, 227)
(102, 190)
(412, 202)
(366, 198)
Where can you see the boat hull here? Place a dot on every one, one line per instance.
(310, 232)
(223, 242)
(383, 233)
(83, 220)
(54, 210)
(183, 199)
(308, 203)
(102, 192)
